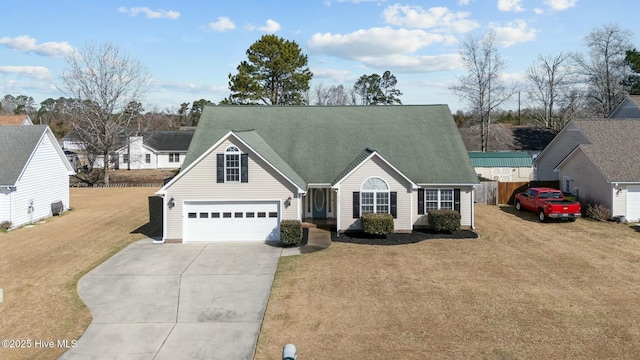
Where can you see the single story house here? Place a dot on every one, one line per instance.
(505, 166)
(249, 167)
(155, 150)
(34, 174)
(148, 150)
(12, 120)
(595, 160)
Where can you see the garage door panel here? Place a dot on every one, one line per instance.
(232, 221)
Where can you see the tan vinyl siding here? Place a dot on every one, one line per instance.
(556, 151)
(199, 183)
(466, 205)
(378, 168)
(587, 179)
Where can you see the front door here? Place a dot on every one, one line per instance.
(319, 203)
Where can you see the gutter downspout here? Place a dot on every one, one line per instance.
(473, 217)
(338, 208)
(164, 221)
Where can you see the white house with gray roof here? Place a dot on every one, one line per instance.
(34, 174)
(249, 167)
(597, 160)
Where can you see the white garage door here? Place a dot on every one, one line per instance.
(231, 221)
(633, 203)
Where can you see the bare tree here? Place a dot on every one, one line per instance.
(548, 83)
(334, 95)
(481, 87)
(605, 70)
(103, 82)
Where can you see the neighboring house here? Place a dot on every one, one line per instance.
(13, 120)
(597, 160)
(156, 150)
(629, 108)
(249, 167)
(149, 150)
(34, 174)
(506, 166)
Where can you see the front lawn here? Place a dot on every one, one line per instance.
(522, 290)
(40, 266)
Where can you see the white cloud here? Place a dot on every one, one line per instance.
(339, 76)
(560, 5)
(437, 18)
(415, 64)
(510, 5)
(271, 26)
(374, 42)
(515, 32)
(36, 72)
(387, 48)
(223, 24)
(538, 11)
(26, 43)
(150, 14)
(463, 2)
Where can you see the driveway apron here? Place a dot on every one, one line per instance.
(177, 301)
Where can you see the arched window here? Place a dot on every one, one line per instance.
(232, 164)
(374, 196)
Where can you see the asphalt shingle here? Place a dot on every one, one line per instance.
(319, 142)
(17, 143)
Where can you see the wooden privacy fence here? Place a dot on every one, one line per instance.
(508, 190)
(487, 193)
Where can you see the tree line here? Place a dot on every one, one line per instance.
(104, 88)
(556, 87)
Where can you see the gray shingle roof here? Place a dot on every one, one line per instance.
(320, 142)
(16, 146)
(168, 140)
(614, 147)
(253, 139)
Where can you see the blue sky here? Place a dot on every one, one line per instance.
(190, 47)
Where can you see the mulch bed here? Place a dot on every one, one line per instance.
(416, 236)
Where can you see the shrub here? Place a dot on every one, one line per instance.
(595, 210)
(377, 224)
(444, 220)
(5, 225)
(290, 232)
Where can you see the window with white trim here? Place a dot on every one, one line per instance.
(174, 157)
(374, 196)
(232, 164)
(438, 199)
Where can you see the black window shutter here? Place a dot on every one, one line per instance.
(356, 204)
(244, 168)
(456, 200)
(393, 200)
(220, 168)
(420, 201)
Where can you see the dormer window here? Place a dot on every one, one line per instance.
(232, 164)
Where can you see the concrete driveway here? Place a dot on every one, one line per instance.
(177, 301)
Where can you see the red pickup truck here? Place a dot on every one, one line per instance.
(548, 203)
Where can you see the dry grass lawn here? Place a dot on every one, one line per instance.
(523, 290)
(40, 265)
